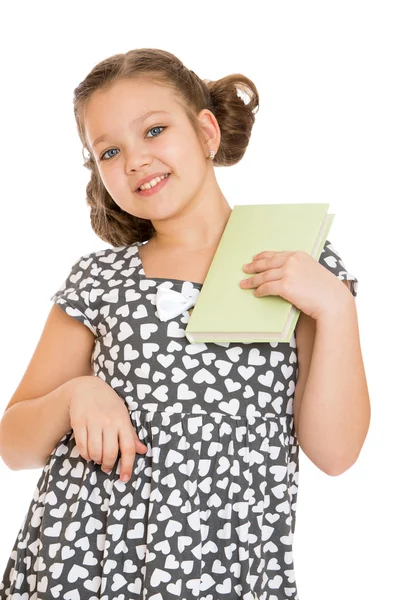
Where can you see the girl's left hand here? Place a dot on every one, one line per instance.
(298, 278)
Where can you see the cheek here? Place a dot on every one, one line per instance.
(114, 181)
(182, 151)
(192, 164)
(117, 187)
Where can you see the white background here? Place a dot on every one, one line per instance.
(328, 130)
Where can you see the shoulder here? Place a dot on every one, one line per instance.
(332, 260)
(106, 253)
(94, 269)
(105, 259)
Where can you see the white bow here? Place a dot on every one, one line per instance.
(170, 303)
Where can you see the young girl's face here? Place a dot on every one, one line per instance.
(136, 147)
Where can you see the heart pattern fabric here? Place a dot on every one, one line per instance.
(210, 510)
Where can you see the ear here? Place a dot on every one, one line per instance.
(210, 130)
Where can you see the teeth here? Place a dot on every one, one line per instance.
(153, 182)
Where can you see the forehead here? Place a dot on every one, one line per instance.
(112, 110)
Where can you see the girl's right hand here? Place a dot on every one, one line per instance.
(102, 426)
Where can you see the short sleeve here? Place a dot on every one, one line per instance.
(331, 259)
(77, 294)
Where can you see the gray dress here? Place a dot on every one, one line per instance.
(209, 511)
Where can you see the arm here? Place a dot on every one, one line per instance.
(334, 412)
(31, 429)
(37, 416)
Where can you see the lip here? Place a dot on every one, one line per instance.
(154, 190)
(149, 178)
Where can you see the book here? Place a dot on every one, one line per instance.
(225, 312)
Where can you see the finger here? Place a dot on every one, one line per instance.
(263, 263)
(80, 434)
(127, 446)
(273, 287)
(254, 281)
(262, 278)
(269, 253)
(95, 443)
(264, 253)
(110, 449)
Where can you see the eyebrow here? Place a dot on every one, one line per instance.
(138, 120)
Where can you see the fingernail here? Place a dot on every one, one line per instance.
(125, 477)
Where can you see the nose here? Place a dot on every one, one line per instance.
(136, 158)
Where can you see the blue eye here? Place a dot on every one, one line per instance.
(152, 129)
(106, 152)
(158, 127)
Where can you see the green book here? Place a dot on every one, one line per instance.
(225, 312)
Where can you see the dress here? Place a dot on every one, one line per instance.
(209, 511)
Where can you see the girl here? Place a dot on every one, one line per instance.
(207, 508)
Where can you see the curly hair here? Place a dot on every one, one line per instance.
(224, 98)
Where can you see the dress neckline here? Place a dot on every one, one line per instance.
(143, 276)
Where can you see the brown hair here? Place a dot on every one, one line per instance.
(235, 119)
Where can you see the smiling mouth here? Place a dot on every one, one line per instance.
(154, 186)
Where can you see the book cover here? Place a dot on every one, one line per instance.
(224, 312)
